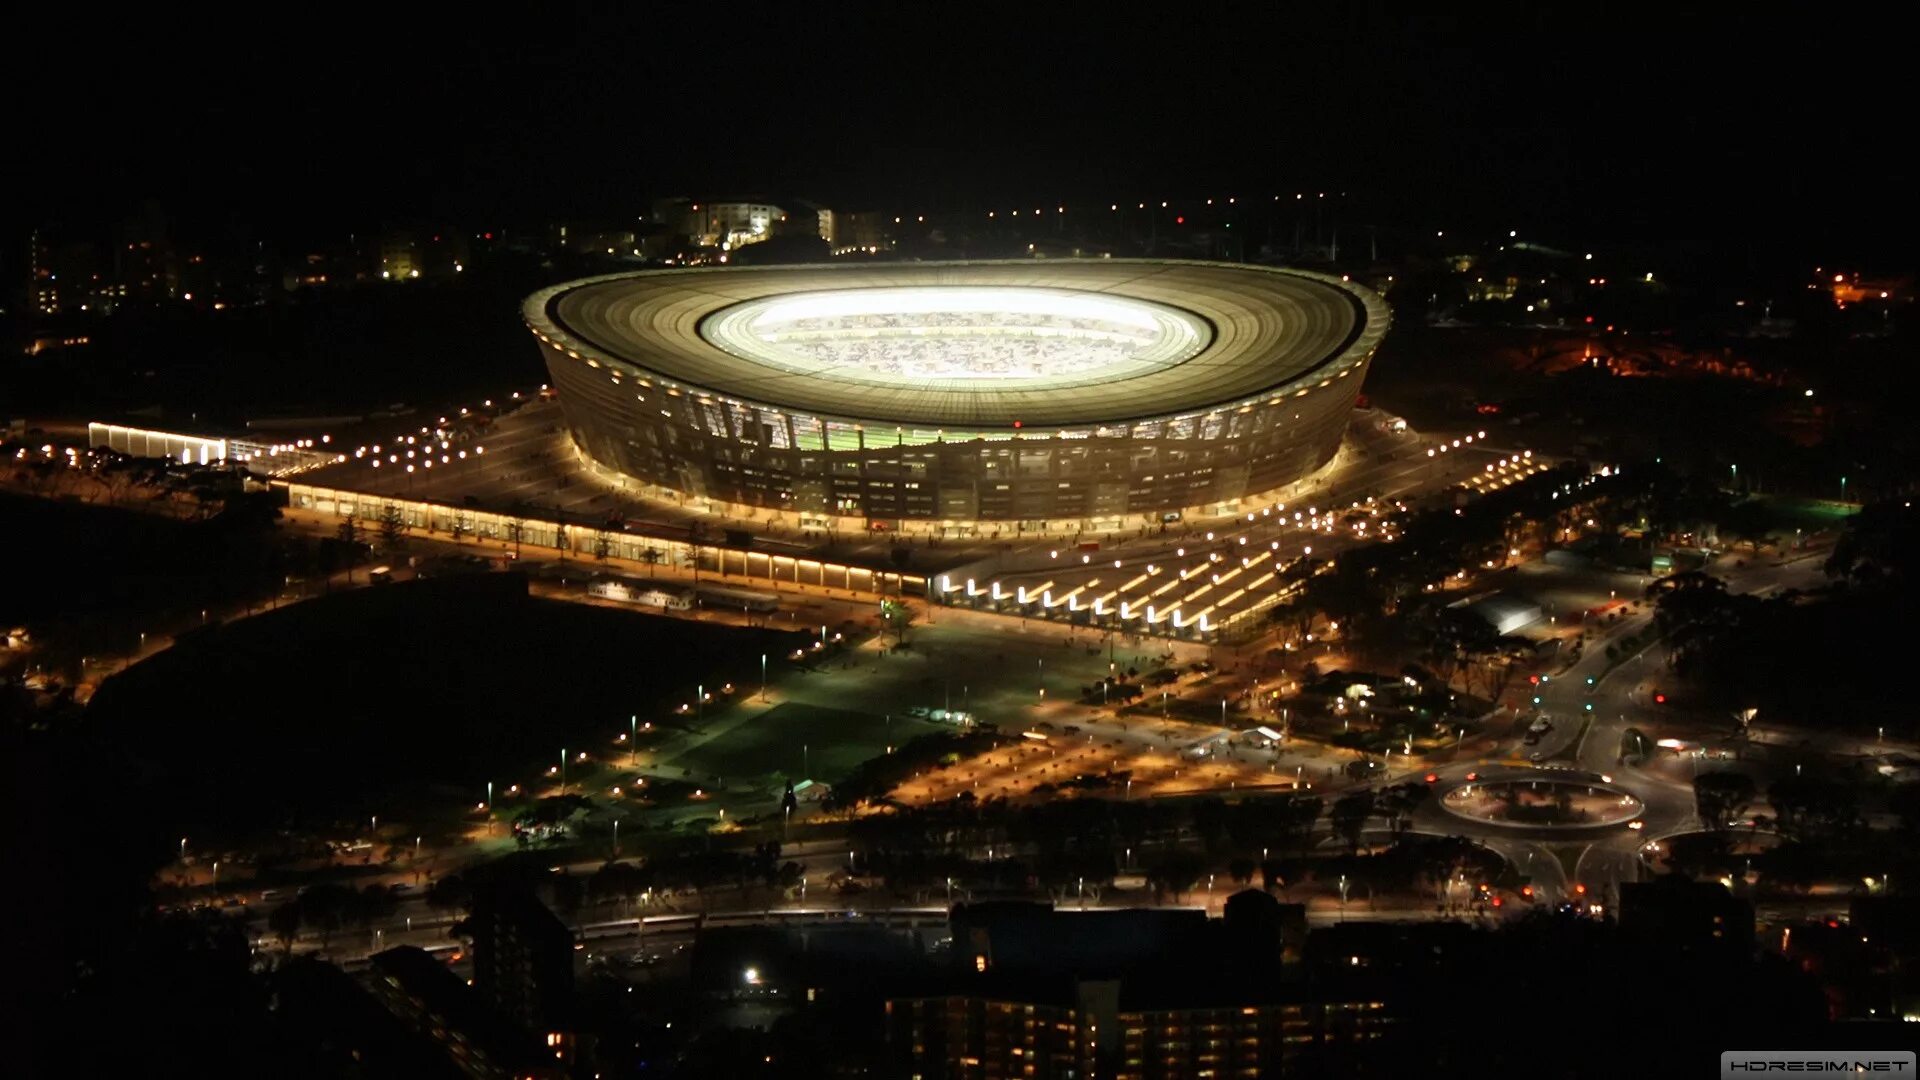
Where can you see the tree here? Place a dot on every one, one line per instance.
(1350, 815)
(1720, 796)
(1400, 801)
(1811, 807)
(617, 881)
(1175, 873)
(1241, 871)
(450, 893)
(350, 544)
(393, 524)
(285, 922)
(1878, 545)
(1701, 855)
(568, 892)
(327, 907)
(1904, 800)
(375, 903)
(896, 616)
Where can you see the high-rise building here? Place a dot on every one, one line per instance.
(523, 962)
(65, 274)
(435, 1006)
(145, 271)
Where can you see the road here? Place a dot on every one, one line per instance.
(1589, 741)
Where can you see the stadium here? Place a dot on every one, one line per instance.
(1055, 394)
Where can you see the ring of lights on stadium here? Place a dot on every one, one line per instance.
(1031, 391)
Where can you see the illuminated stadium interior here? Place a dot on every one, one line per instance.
(1031, 390)
(959, 338)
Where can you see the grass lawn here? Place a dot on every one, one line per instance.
(836, 740)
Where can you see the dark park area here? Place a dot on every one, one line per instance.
(405, 696)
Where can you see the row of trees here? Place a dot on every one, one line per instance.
(1816, 659)
(329, 907)
(1371, 582)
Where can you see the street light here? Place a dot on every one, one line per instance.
(763, 676)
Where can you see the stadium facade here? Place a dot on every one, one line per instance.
(1042, 392)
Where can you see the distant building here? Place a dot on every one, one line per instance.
(523, 961)
(1034, 992)
(972, 1036)
(733, 223)
(862, 231)
(397, 256)
(1011, 938)
(1133, 1031)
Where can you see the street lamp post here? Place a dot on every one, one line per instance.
(633, 739)
(763, 676)
(563, 770)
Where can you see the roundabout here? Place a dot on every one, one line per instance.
(1543, 803)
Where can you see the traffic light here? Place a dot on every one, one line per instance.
(1536, 699)
(1589, 706)
(1591, 680)
(1526, 892)
(1534, 680)
(1659, 699)
(1546, 678)
(1580, 890)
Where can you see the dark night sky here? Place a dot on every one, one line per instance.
(1768, 134)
